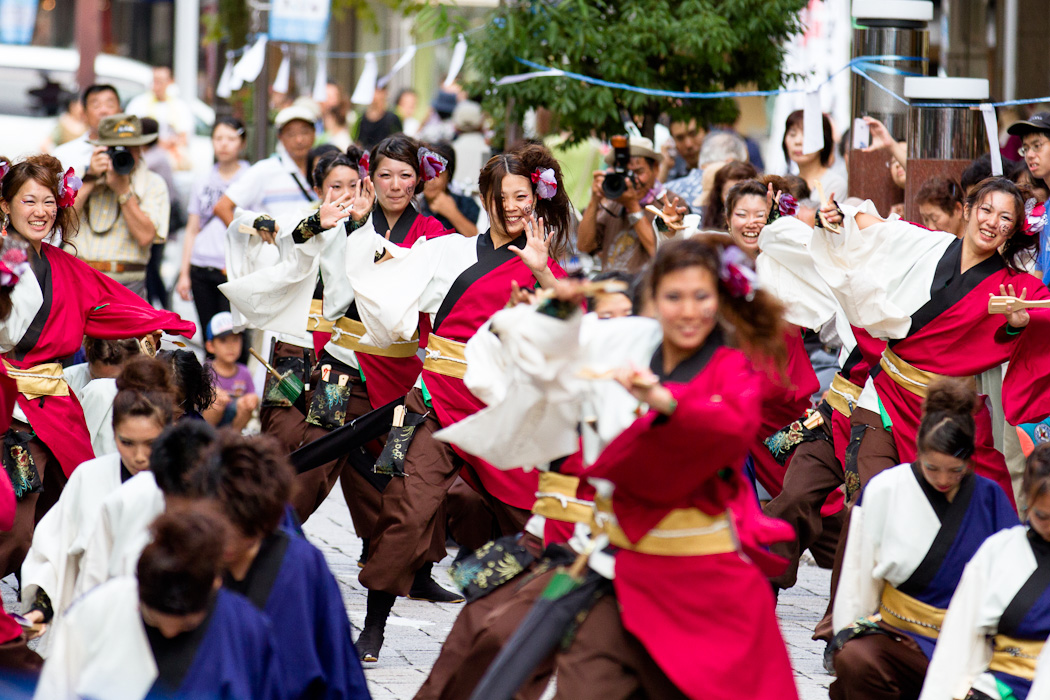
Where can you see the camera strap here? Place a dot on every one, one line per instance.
(302, 188)
(102, 209)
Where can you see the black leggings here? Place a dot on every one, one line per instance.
(204, 282)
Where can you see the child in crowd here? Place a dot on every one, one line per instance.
(235, 397)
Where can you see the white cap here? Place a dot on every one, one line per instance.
(296, 111)
(934, 88)
(907, 10)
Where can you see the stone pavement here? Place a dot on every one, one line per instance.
(416, 629)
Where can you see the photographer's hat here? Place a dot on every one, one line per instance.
(121, 130)
(640, 146)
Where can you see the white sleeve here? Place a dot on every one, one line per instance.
(1041, 686)
(244, 191)
(859, 592)
(963, 650)
(389, 294)
(880, 275)
(785, 269)
(26, 299)
(338, 294)
(94, 563)
(61, 672)
(97, 403)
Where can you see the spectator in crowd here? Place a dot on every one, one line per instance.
(405, 108)
(727, 175)
(453, 210)
(1034, 133)
(334, 112)
(472, 151)
(438, 125)
(204, 248)
(276, 185)
(940, 201)
(173, 115)
(378, 121)
(99, 101)
(124, 208)
(235, 397)
(70, 124)
(688, 136)
(719, 147)
(813, 167)
(620, 231)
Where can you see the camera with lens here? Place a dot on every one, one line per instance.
(122, 160)
(615, 182)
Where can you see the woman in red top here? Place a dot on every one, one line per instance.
(54, 305)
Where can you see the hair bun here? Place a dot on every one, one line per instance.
(951, 395)
(144, 374)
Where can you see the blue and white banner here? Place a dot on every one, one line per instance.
(17, 20)
(299, 21)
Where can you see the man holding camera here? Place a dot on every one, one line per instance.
(123, 206)
(615, 225)
(99, 101)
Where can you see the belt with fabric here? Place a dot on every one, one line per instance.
(910, 615)
(684, 532)
(556, 499)
(113, 266)
(41, 380)
(1015, 656)
(347, 333)
(315, 320)
(447, 357)
(907, 376)
(843, 395)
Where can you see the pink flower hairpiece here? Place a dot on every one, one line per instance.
(68, 188)
(787, 204)
(13, 264)
(430, 163)
(1035, 217)
(362, 165)
(546, 183)
(4, 168)
(737, 275)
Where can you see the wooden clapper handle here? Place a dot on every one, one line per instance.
(997, 304)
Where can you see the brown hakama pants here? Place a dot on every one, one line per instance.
(879, 667)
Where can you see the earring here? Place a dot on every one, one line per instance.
(3, 227)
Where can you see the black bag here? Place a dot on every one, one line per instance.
(330, 399)
(392, 460)
(19, 464)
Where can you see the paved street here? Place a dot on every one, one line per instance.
(416, 629)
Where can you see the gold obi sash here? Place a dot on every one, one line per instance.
(315, 321)
(907, 376)
(446, 357)
(556, 499)
(1015, 656)
(347, 333)
(843, 395)
(41, 380)
(684, 532)
(910, 615)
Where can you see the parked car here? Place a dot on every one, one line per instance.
(36, 80)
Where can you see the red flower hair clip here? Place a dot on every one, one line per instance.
(430, 163)
(68, 188)
(362, 165)
(546, 183)
(1035, 217)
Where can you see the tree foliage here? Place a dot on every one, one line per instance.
(674, 45)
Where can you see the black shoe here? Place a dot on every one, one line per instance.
(429, 590)
(369, 644)
(363, 559)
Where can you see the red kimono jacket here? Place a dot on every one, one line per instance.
(708, 621)
(77, 301)
(481, 290)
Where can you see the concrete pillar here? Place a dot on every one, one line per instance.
(942, 140)
(88, 39)
(885, 28)
(187, 46)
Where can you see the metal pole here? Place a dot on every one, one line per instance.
(1010, 40)
(261, 92)
(187, 45)
(88, 39)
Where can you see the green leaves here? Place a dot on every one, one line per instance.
(687, 46)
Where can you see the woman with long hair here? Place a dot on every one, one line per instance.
(999, 618)
(53, 308)
(911, 532)
(142, 408)
(458, 283)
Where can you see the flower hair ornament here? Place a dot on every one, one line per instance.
(13, 263)
(430, 163)
(68, 188)
(786, 205)
(363, 165)
(5, 167)
(546, 183)
(1035, 217)
(737, 274)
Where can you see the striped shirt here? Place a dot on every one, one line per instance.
(117, 244)
(270, 186)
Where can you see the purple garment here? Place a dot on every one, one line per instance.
(236, 386)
